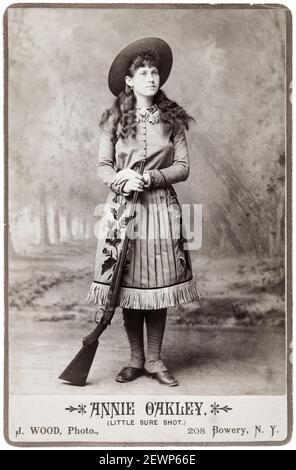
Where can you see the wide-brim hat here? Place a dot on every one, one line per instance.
(122, 62)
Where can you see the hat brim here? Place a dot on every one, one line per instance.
(121, 63)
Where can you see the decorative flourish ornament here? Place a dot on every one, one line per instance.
(150, 114)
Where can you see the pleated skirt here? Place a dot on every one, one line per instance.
(158, 269)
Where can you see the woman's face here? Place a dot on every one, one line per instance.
(145, 81)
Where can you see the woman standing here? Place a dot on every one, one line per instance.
(143, 124)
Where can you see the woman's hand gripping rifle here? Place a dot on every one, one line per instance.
(77, 371)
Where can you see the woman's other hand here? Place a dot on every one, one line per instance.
(146, 179)
(135, 183)
(123, 175)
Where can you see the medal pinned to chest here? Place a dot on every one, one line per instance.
(150, 114)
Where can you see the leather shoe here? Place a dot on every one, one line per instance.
(127, 374)
(164, 377)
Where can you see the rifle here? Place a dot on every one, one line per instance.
(77, 371)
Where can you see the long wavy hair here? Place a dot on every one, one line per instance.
(121, 116)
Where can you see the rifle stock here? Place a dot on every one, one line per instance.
(77, 371)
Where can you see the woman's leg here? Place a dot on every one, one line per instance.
(155, 323)
(134, 322)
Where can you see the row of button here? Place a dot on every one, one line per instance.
(143, 139)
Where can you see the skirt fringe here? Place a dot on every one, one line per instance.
(146, 298)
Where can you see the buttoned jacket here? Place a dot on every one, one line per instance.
(165, 153)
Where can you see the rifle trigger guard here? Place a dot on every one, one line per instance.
(96, 315)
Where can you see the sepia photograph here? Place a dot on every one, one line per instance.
(148, 165)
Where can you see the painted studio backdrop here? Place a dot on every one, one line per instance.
(229, 73)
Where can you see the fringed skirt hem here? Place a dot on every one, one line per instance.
(146, 298)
